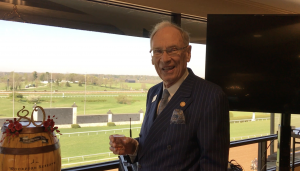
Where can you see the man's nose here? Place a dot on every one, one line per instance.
(165, 57)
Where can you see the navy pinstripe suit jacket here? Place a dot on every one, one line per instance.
(202, 143)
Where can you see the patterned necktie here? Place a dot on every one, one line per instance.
(164, 101)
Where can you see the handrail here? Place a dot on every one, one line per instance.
(248, 136)
(252, 140)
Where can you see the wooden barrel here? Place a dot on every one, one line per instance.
(32, 150)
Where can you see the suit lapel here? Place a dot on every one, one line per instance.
(162, 122)
(151, 110)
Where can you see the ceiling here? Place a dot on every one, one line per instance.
(136, 17)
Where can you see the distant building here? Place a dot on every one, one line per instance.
(129, 81)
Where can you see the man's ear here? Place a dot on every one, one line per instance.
(152, 60)
(189, 50)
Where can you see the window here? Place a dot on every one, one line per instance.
(101, 72)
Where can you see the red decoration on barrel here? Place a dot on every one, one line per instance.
(49, 126)
(14, 129)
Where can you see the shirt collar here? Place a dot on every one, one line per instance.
(172, 90)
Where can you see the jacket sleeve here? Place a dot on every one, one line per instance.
(213, 133)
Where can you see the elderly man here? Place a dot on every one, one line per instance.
(186, 125)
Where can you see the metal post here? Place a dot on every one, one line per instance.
(51, 91)
(284, 143)
(176, 19)
(262, 156)
(7, 88)
(13, 91)
(130, 129)
(272, 123)
(84, 95)
(293, 162)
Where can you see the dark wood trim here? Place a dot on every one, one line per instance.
(176, 19)
(95, 167)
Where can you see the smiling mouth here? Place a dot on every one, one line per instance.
(168, 68)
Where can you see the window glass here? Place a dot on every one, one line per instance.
(54, 67)
(295, 123)
(197, 33)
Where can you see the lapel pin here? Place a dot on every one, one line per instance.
(182, 104)
(154, 98)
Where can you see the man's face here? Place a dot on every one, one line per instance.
(170, 68)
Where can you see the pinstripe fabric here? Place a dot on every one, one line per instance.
(202, 143)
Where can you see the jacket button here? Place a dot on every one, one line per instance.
(139, 166)
(169, 147)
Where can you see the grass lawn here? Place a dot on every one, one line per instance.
(94, 105)
(93, 143)
(101, 104)
(249, 128)
(2, 86)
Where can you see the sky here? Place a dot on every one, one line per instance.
(30, 47)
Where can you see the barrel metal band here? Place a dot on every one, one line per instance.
(26, 151)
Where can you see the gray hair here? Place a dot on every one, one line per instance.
(163, 24)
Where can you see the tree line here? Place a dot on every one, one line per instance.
(18, 79)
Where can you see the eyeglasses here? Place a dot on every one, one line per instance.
(171, 51)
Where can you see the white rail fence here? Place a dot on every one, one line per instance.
(248, 120)
(71, 96)
(89, 161)
(247, 136)
(88, 96)
(88, 158)
(96, 132)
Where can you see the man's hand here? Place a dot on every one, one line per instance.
(121, 145)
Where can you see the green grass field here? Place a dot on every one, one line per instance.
(94, 105)
(93, 143)
(249, 128)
